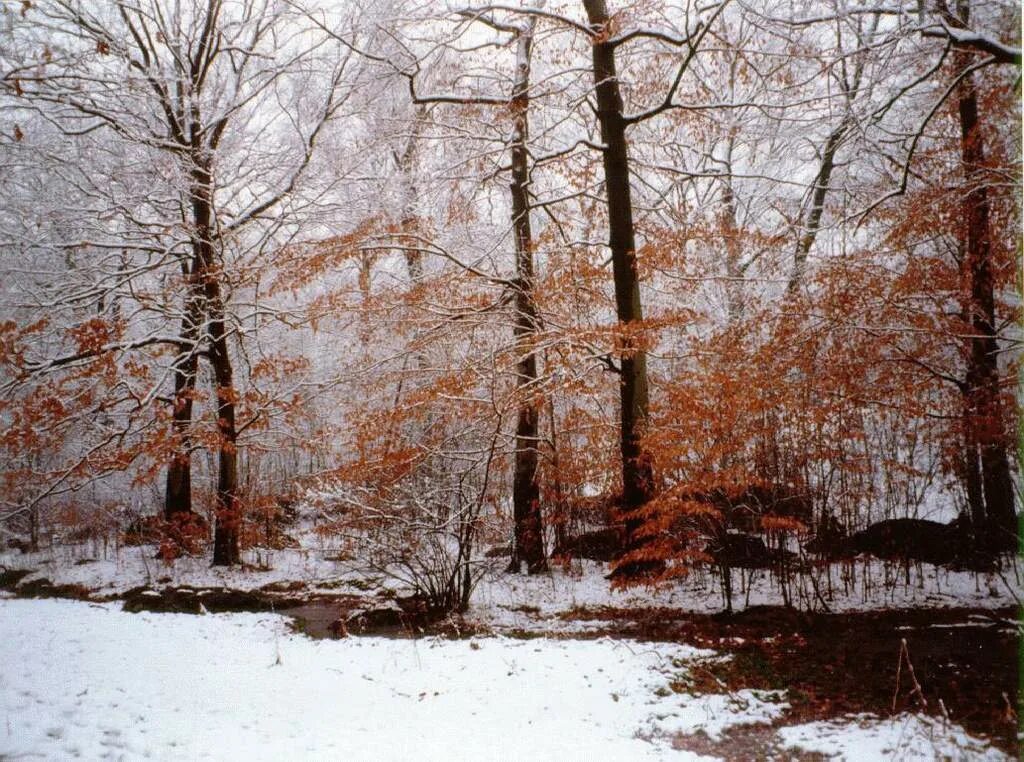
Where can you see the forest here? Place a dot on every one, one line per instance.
(687, 325)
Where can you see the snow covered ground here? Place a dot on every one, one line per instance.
(80, 680)
(512, 601)
(906, 737)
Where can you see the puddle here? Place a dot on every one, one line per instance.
(314, 619)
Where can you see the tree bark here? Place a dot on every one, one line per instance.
(637, 470)
(813, 222)
(178, 494)
(734, 271)
(228, 517)
(226, 550)
(995, 523)
(528, 540)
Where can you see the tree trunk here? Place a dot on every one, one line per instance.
(812, 223)
(637, 471)
(409, 225)
(734, 291)
(986, 437)
(561, 512)
(178, 495)
(226, 551)
(227, 512)
(528, 541)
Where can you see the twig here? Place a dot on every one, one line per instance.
(905, 654)
(1010, 714)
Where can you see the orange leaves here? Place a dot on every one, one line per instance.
(277, 367)
(301, 264)
(94, 334)
(228, 395)
(773, 525)
(14, 340)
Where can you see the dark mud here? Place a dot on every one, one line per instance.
(836, 664)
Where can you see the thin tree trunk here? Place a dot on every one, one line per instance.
(409, 224)
(812, 224)
(637, 470)
(734, 290)
(562, 517)
(528, 541)
(984, 413)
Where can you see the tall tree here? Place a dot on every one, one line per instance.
(528, 543)
(195, 74)
(637, 473)
(989, 480)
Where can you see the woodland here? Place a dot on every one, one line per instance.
(452, 296)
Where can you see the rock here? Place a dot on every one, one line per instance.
(190, 600)
(22, 546)
(44, 588)
(9, 578)
(912, 540)
(376, 620)
(498, 551)
(169, 600)
(599, 545)
(746, 551)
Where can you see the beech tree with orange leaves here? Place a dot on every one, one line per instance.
(705, 285)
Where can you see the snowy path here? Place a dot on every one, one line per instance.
(89, 681)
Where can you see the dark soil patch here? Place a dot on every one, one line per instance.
(9, 578)
(834, 664)
(192, 600)
(44, 588)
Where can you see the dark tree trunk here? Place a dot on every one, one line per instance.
(528, 541)
(205, 281)
(812, 224)
(226, 551)
(562, 517)
(227, 513)
(637, 471)
(178, 496)
(995, 523)
(973, 482)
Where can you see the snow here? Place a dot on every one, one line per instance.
(714, 713)
(864, 738)
(115, 571)
(531, 603)
(90, 681)
(512, 602)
